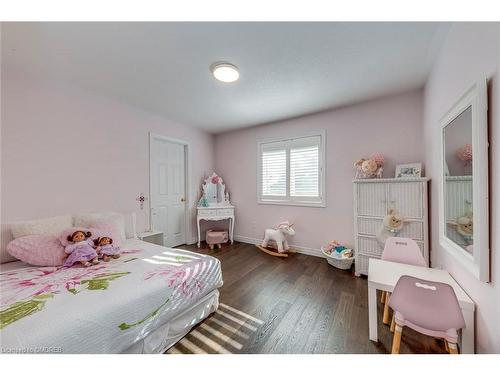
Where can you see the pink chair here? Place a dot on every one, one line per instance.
(400, 250)
(403, 250)
(428, 307)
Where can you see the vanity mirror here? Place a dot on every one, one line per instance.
(463, 203)
(214, 191)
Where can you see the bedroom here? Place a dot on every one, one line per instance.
(169, 153)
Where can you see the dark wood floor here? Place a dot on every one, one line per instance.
(295, 305)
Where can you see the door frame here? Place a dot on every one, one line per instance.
(187, 180)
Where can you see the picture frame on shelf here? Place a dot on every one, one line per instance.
(409, 170)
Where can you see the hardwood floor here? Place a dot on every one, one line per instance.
(298, 304)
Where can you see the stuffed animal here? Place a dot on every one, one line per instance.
(335, 248)
(279, 235)
(391, 226)
(331, 247)
(80, 250)
(464, 226)
(105, 248)
(370, 168)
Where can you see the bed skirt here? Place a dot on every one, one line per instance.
(170, 333)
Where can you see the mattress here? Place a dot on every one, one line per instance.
(105, 308)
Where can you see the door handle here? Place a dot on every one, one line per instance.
(183, 199)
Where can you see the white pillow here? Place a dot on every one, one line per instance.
(5, 238)
(51, 226)
(90, 220)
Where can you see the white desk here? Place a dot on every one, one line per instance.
(384, 275)
(215, 213)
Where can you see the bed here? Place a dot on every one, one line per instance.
(143, 302)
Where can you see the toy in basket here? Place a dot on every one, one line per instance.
(338, 255)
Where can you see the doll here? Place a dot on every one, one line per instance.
(80, 250)
(106, 249)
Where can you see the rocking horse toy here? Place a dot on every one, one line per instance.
(279, 237)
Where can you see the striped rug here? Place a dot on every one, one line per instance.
(224, 332)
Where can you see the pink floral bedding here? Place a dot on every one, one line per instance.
(103, 308)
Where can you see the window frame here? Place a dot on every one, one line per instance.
(288, 200)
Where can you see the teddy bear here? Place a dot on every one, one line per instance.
(80, 249)
(370, 168)
(391, 226)
(106, 249)
(464, 227)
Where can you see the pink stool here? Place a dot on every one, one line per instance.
(428, 307)
(216, 238)
(400, 250)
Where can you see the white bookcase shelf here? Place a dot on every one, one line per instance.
(372, 199)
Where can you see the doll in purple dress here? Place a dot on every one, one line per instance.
(106, 249)
(80, 250)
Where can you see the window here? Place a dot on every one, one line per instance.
(291, 171)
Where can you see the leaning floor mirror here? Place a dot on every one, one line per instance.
(463, 203)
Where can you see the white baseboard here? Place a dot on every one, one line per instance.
(298, 249)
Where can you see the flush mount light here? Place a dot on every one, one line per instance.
(225, 72)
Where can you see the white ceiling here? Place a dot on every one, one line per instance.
(286, 69)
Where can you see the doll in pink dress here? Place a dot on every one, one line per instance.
(106, 249)
(80, 250)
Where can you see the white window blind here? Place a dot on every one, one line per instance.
(304, 171)
(291, 171)
(274, 172)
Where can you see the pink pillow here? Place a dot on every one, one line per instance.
(101, 231)
(38, 250)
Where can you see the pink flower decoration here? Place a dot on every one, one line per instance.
(378, 158)
(215, 180)
(28, 283)
(464, 153)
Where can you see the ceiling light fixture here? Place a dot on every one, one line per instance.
(225, 72)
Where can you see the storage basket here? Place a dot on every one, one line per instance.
(338, 262)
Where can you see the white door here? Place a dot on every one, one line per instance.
(168, 203)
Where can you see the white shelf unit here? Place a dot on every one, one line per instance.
(372, 199)
(458, 203)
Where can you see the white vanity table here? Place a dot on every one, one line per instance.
(215, 213)
(214, 205)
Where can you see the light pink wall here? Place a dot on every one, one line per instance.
(471, 52)
(67, 151)
(389, 125)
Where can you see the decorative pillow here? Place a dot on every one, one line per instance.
(89, 221)
(51, 226)
(104, 230)
(38, 250)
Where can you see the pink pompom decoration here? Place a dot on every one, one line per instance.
(378, 158)
(464, 153)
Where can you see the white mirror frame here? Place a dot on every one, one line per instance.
(479, 262)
